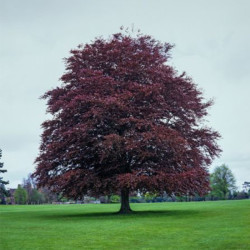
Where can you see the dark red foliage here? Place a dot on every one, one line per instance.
(124, 119)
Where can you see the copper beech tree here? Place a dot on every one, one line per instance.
(123, 120)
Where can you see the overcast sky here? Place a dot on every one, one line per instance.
(212, 44)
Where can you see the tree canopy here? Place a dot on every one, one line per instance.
(124, 120)
(21, 195)
(222, 181)
(34, 196)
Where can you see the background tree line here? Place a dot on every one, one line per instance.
(222, 187)
(28, 193)
(222, 183)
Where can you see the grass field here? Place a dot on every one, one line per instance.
(192, 225)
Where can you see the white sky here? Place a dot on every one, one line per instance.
(212, 44)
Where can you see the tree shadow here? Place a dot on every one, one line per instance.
(116, 215)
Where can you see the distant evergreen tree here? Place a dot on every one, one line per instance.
(3, 191)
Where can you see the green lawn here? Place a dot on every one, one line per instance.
(192, 225)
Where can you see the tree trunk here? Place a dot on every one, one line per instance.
(225, 195)
(109, 198)
(125, 207)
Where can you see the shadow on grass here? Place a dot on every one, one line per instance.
(116, 215)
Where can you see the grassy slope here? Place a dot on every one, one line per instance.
(193, 225)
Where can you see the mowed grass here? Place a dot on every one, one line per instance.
(192, 225)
